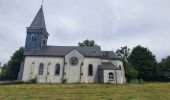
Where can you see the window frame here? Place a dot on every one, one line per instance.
(44, 42)
(57, 69)
(90, 70)
(33, 38)
(120, 67)
(41, 69)
(111, 76)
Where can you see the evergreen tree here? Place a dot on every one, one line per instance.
(164, 69)
(144, 61)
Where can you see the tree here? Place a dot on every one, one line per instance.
(11, 69)
(165, 62)
(144, 61)
(130, 72)
(164, 69)
(87, 43)
(123, 53)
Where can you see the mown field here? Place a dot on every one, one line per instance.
(147, 91)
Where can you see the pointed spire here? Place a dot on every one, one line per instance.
(39, 21)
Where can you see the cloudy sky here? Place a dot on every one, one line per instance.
(111, 23)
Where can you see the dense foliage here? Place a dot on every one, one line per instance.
(144, 61)
(87, 43)
(164, 69)
(130, 72)
(11, 69)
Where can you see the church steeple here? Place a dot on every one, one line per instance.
(39, 19)
(39, 22)
(37, 34)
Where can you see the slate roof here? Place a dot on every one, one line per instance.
(108, 65)
(38, 23)
(63, 50)
(39, 20)
(109, 55)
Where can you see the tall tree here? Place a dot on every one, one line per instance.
(11, 69)
(144, 61)
(123, 53)
(87, 43)
(164, 69)
(130, 72)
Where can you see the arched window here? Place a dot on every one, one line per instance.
(41, 69)
(90, 71)
(57, 69)
(119, 66)
(44, 42)
(111, 76)
(33, 38)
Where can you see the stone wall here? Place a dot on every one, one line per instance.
(68, 72)
(31, 68)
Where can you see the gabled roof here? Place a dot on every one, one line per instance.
(108, 65)
(39, 21)
(61, 51)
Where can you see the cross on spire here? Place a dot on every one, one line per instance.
(42, 2)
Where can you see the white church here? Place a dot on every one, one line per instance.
(69, 64)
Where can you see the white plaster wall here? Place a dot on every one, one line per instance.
(72, 73)
(51, 77)
(95, 62)
(0, 69)
(106, 76)
(120, 73)
(118, 76)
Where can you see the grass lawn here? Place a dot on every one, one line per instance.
(147, 91)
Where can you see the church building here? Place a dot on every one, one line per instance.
(66, 64)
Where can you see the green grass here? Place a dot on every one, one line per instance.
(147, 91)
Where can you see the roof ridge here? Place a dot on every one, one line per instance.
(71, 46)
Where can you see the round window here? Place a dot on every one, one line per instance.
(74, 61)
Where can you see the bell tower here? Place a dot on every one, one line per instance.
(37, 34)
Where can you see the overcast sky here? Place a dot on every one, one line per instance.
(111, 23)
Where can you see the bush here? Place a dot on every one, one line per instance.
(64, 80)
(33, 80)
(130, 72)
(136, 81)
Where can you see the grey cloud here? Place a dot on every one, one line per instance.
(111, 23)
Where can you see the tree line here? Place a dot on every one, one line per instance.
(139, 63)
